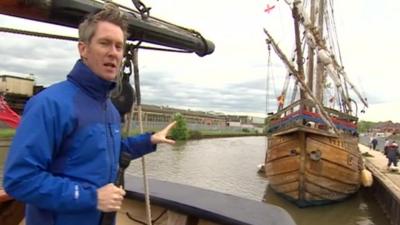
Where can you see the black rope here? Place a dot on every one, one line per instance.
(68, 38)
(38, 34)
(144, 223)
(164, 49)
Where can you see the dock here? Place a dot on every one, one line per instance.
(386, 186)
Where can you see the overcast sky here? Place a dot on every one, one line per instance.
(233, 78)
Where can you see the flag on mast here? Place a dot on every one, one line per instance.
(269, 8)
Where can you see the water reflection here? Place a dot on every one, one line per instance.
(359, 209)
(225, 165)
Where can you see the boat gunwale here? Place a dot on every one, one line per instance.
(206, 204)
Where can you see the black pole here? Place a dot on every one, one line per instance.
(107, 218)
(150, 29)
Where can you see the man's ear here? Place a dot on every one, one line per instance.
(82, 47)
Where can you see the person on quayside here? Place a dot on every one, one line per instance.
(64, 156)
(392, 153)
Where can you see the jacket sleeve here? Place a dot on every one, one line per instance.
(28, 176)
(139, 145)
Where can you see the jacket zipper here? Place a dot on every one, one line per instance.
(110, 146)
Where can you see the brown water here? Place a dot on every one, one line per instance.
(229, 165)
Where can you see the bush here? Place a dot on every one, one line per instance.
(246, 130)
(180, 131)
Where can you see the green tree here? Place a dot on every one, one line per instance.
(364, 126)
(180, 131)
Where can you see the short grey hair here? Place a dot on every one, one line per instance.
(110, 13)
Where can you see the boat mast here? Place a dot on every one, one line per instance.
(321, 76)
(299, 53)
(303, 86)
(310, 68)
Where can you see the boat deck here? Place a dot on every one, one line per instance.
(178, 204)
(386, 187)
(214, 206)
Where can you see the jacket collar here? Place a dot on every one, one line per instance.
(83, 76)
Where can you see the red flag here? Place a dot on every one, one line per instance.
(269, 8)
(7, 115)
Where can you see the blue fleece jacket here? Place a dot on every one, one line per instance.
(68, 145)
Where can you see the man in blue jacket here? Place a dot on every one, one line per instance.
(64, 156)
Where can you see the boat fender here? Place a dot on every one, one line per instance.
(123, 96)
(315, 155)
(261, 168)
(366, 178)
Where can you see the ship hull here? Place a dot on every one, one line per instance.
(312, 168)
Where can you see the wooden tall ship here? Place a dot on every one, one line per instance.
(312, 156)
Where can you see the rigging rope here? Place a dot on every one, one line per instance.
(268, 77)
(335, 31)
(37, 34)
(139, 115)
(131, 59)
(69, 38)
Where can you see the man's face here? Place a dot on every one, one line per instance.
(103, 54)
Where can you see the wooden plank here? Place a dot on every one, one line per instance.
(322, 193)
(137, 211)
(302, 138)
(175, 218)
(204, 222)
(281, 166)
(335, 172)
(293, 194)
(284, 178)
(345, 142)
(311, 197)
(286, 188)
(331, 184)
(277, 140)
(334, 154)
(283, 150)
(302, 128)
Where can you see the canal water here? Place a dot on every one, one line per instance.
(229, 165)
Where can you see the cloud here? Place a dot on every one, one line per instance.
(49, 60)
(160, 89)
(233, 78)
